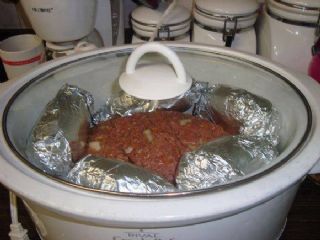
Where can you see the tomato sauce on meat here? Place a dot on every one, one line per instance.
(155, 140)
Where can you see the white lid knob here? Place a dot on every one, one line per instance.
(155, 81)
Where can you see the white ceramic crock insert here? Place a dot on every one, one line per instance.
(240, 210)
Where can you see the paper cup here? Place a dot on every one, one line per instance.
(20, 53)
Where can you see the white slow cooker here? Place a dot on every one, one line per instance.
(254, 207)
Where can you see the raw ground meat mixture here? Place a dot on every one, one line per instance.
(155, 141)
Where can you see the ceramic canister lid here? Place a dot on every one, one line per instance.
(150, 16)
(303, 3)
(228, 7)
(214, 13)
(175, 24)
(304, 11)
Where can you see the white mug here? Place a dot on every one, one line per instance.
(20, 53)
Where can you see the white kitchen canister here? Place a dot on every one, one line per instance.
(175, 27)
(226, 23)
(287, 32)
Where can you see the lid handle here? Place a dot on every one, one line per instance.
(161, 49)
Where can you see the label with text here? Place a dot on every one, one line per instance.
(42, 10)
(141, 235)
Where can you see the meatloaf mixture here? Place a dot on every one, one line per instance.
(154, 141)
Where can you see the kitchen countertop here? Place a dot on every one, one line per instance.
(303, 219)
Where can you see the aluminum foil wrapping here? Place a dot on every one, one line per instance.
(222, 161)
(123, 105)
(255, 116)
(116, 175)
(126, 105)
(59, 136)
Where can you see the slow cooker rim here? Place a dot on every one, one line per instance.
(125, 50)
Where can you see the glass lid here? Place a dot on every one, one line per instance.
(230, 78)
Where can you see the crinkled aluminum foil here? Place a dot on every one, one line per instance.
(126, 105)
(60, 135)
(116, 175)
(223, 160)
(123, 105)
(255, 115)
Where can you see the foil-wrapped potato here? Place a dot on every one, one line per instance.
(241, 112)
(116, 175)
(59, 137)
(222, 161)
